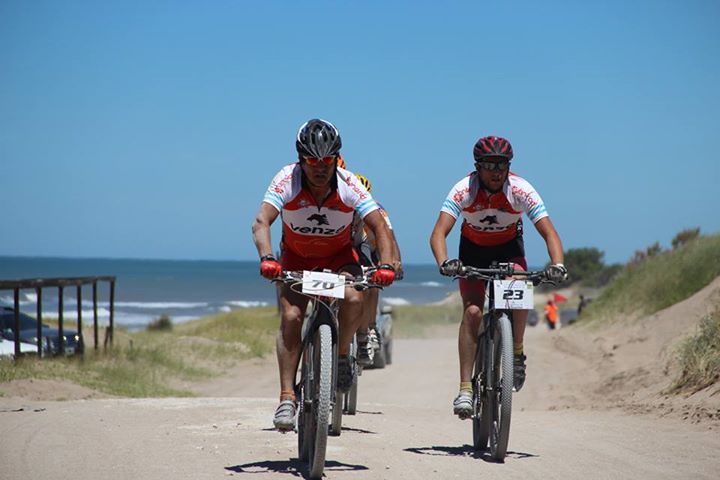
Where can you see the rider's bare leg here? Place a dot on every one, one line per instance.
(370, 303)
(518, 326)
(469, 327)
(518, 323)
(288, 342)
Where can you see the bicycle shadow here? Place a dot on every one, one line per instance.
(358, 430)
(466, 451)
(293, 467)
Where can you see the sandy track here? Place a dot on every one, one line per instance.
(403, 430)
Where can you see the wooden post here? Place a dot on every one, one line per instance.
(111, 326)
(61, 340)
(38, 292)
(95, 318)
(80, 342)
(16, 298)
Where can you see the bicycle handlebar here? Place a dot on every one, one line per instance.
(360, 282)
(502, 271)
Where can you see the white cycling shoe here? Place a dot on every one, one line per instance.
(284, 419)
(462, 405)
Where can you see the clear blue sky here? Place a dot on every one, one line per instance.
(152, 129)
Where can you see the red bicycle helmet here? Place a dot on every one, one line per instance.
(492, 147)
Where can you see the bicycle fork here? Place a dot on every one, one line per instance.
(308, 374)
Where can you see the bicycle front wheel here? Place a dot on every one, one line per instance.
(502, 388)
(321, 391)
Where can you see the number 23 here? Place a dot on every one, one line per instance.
(513, 294)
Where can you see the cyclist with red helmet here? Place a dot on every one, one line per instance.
(316, 200)
(491, 200)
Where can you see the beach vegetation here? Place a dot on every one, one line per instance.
(158, 362)
(587, 268)
(163, 322)
(685, 236)
(657, 280)
(698, 357)
(419, 321)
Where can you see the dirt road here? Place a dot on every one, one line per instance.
(403, 430)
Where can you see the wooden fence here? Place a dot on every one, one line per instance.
(38, 284)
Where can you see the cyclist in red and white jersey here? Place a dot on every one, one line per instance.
(491, 201)
(316, 201)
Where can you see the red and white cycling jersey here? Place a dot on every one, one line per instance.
(492, 219)
(311, 230)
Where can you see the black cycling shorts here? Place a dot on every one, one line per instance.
(479, 256)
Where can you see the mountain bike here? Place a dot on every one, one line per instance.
(316, 390)
(492, 378)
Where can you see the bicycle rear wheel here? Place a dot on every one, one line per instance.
(320, 391)
(351, 397)
(337, 413)
(502, 388)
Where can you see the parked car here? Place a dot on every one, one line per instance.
(383, 327)
(7, 347)
(28, 333)
(568, 316)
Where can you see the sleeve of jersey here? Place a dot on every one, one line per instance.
(453, 204)
(534, 205)
(276, 193)
(366, 206)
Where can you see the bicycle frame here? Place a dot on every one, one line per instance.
(312, 324)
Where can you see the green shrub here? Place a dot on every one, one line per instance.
(685, 236)
(699, 357)
(160, 324)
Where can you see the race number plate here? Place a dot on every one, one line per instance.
(513, 294)
(324, 284)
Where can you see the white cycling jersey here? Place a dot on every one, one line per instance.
(493, 219)
(311, 230)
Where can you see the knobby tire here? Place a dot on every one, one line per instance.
(500, 433)
(321, 398)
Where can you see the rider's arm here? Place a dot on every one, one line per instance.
(261, 228)
(397, 263)
(396, 252)
(444, 224)
(376, 223)
(554, 246)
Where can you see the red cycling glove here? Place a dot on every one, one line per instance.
(384, 275)
(269, 267)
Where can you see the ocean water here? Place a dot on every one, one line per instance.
(181, 289)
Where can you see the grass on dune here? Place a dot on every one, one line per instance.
(698, 357)
(417, 320)
(658, 282)
(147, 364)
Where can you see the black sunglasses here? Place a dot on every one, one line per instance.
(502, 166)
